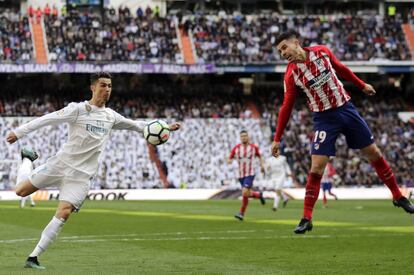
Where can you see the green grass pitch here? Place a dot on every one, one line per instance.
(202, 237)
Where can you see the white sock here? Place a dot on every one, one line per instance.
(31, 200)
(23, 201)
(276, 202)
(24, 170)
(49, 234)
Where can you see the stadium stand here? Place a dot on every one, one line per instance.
(242, 39)
(218, 38)
(195, 156)
(15, 38)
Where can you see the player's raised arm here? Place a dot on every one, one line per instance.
(67, 114)
(123, 123)
(344, 72)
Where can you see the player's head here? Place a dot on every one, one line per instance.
(244, 137)
(288, 45)
(101, 87)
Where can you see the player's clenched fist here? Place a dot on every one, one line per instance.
(369, 90)
(11, 137)
(175, 126)
(275, 149)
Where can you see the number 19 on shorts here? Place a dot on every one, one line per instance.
(320, 136)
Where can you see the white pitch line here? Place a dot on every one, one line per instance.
(134, 235)
(205, 238)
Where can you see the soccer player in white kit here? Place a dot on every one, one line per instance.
(73, 167)
(279, 174)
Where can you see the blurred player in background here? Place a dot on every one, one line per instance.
(314, 70)
(74, 166)
(279, 175)
(245, 154)
(327, 181)
(24, 171)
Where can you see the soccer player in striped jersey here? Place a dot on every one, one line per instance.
(245, 154)
(74, 166)
(314, 71)
(327, 181)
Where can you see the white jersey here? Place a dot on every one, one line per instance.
(277, 167)
(278, 172)
(89, 129)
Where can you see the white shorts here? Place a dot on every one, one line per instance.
(278, 183)
(73, 185)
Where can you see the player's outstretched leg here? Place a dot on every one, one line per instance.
(258, 195)
(386, 174)
(26, 167)
(325, 200)
(276, 201)
(333, 195)
(285, 199)
(245, 202)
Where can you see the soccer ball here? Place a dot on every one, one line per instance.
(157, 132)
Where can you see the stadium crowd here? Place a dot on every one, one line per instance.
(15, 37)
(172, 99)
(121, 36)
(240, 39)
(219, 38)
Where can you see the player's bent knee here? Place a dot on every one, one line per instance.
(25, 188)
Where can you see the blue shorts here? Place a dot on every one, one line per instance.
(326, 186)
(343, 120)
(246, 182)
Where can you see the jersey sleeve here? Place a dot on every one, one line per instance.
(342, 70)
(233, 152)
(257, 151)
(287, 105)
(67, 114)
(123, 123)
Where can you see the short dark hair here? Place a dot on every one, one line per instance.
(96, 76)
(286, 35)
(243, 131)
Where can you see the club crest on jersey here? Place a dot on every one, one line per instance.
(320, 64)
(88, 108)
(316, 146)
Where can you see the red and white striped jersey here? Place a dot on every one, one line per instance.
(245, 154)
(317, 78)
